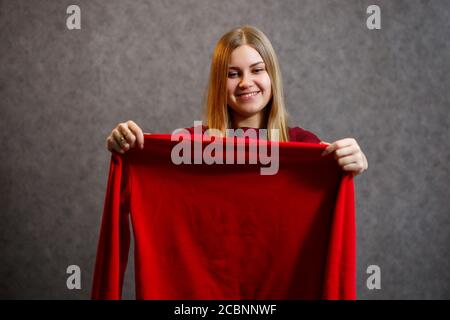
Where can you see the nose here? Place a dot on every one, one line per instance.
(246, 81)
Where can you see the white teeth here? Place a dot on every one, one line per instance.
(249, 94)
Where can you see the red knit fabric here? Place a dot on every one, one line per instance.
(226, 231)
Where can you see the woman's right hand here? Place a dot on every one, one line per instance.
(124, 137)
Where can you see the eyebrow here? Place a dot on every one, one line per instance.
(252, 65)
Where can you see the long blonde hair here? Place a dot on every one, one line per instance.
(216, 110)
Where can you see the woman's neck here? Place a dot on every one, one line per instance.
(254, 121)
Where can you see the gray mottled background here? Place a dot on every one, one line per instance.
(61, 93)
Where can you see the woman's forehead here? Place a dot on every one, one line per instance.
(244, 56)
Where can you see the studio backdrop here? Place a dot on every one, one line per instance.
(66, 83)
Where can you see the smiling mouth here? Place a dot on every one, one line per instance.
(248, 94)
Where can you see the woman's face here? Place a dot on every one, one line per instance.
(248, 84)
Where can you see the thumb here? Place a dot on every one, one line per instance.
(325, 151)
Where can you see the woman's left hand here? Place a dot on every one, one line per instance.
(348, 155)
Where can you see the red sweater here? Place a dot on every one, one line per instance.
(226, 231)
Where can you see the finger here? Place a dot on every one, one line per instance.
(329, 149)
(366, 163)
(127, 134)
(113, 146)
(342, 152)
(138, 133)
(347, 160)
(120, 140)
(346, 142)
(353, 167)
(338, 144)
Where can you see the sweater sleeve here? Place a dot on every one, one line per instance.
(114, 240)
(297, 134)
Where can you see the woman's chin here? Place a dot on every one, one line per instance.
(248, 111)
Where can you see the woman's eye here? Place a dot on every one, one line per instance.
(234, 74)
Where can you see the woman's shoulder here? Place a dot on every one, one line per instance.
(297, 134)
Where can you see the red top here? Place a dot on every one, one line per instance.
(226, 231)
(296, 134)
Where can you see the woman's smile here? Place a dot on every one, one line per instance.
(250, 96)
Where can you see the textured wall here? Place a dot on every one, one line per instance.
(61, 92)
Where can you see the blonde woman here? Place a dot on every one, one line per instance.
(245, 91)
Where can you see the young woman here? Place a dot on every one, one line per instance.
(245, 91)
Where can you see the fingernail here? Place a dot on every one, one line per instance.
(142, 146)
(126, 145)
